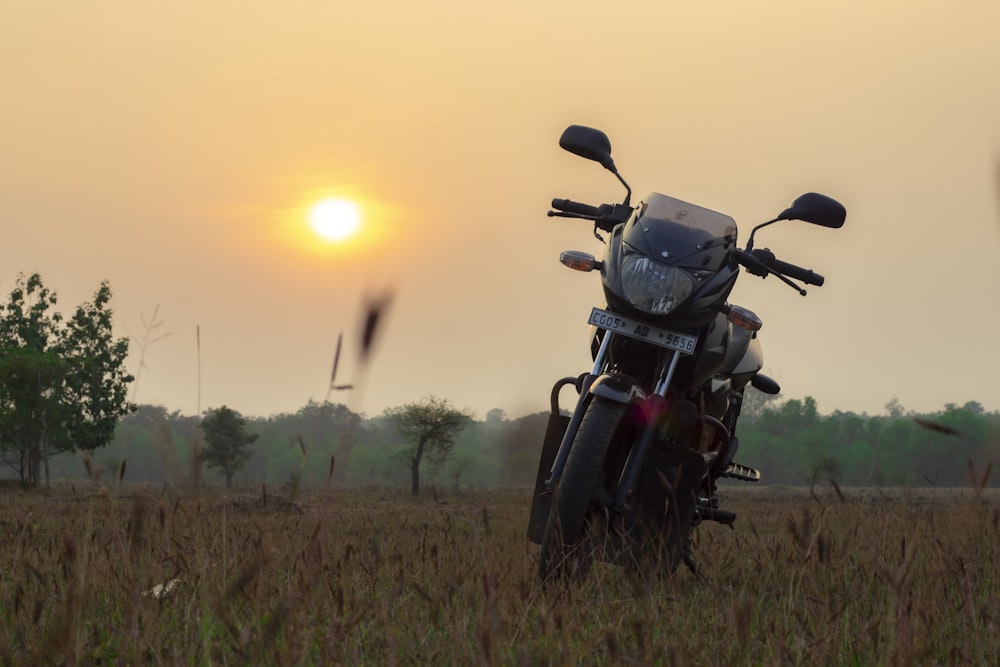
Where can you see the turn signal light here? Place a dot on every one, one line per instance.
(578, 260)
(744, 318)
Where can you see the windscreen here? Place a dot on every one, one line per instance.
(670, 231)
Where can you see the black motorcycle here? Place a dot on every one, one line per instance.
(633, 469)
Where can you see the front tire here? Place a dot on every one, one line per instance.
(566, 546)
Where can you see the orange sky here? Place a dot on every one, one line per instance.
(173, 149)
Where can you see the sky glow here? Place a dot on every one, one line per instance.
(175, 149)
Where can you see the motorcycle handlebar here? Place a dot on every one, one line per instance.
(568, 206)
(755, 259)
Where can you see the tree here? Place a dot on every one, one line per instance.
(226, 441)
(431, 427)
(314, 444)
(519, 445)
(894, 408)
(63, 383)
(754, 404)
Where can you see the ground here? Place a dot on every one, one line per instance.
(342, 576)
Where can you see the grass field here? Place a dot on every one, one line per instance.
(376, 577)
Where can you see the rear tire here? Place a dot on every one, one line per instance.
(567, 549)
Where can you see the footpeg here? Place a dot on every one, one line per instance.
(714, 514)
(745, 473)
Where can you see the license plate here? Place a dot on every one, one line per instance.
(635, 329)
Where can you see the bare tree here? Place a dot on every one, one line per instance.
(430, 427)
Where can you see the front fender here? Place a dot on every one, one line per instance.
(617, 388)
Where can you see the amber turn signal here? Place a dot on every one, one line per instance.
(744, 318)
(578, 260)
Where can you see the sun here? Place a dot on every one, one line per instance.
(335, 219)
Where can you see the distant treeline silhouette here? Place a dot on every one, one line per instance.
(789, 441)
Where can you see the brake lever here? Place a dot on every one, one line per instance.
(788, 281)
(564, 214)
(596, 219)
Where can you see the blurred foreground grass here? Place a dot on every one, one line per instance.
(376, 577)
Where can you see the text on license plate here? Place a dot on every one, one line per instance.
(635, 329)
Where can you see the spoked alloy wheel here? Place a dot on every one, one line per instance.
(567, 548)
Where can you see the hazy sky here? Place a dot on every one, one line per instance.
(174, 148)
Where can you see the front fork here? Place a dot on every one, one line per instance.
(598, 384)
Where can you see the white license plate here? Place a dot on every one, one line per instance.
(635, 329)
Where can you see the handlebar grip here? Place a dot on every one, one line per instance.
(574, 207)
(797, 272)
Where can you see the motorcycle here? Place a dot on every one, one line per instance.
(632, 470)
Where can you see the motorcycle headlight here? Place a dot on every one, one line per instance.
(654, 288)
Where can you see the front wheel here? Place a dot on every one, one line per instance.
(566, 545)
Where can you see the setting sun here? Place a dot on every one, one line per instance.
(335, 219)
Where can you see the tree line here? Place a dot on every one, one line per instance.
(792, 443)
(326, 443)
(321, 443)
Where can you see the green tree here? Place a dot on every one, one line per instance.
(63, 383)
(894, 408)
(313, 445)
(520, 445)
(430, 427)
(227, 441)
(754, 404)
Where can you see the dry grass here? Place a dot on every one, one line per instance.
(375, 577)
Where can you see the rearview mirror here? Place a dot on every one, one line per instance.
(588, 143)
(817, 209)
